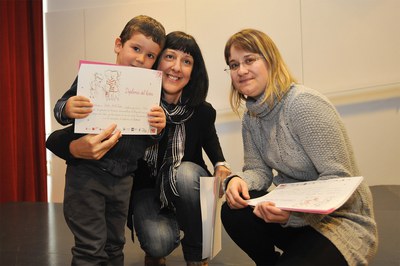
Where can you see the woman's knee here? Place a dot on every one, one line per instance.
(156, 243)
(191, 170)
(233, 219)
(156, 250)
(225, 213)
(188, 178)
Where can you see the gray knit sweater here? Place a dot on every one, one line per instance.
(303, 138)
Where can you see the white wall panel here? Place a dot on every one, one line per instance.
(213, 22)
(349, 45)
(104, 24)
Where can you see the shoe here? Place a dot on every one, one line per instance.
(197, 263)
(151, 261)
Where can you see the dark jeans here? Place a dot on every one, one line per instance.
(95, 209)
(300, 246)
(158, 230)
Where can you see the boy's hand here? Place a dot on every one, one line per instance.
(78, 107)
(157, 118)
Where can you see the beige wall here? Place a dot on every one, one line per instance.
(347, 49)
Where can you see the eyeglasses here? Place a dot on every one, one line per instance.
(248, 61)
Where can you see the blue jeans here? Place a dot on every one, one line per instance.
(158, 230)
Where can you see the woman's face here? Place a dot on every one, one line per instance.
(249, 72)
(177, 67)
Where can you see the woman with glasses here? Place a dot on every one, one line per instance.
(291, 133)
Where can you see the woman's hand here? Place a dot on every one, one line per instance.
(222, 172)
(237, 193)
(271, 214)
(157, 118)
(78, 107)
(95, 146)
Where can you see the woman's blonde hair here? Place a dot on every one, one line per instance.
(279, 77)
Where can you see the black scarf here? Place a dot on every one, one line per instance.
(176, 116)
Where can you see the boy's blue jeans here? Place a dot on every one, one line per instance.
(158, 230)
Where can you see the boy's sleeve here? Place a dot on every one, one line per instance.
(58, 142)
(60, 105)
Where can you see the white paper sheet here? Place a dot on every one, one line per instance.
(122, 95)
(210, 214)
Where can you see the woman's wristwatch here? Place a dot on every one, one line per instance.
(225, 164)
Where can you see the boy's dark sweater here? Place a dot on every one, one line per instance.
(121, 160)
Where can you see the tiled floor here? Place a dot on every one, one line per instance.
(36, 234)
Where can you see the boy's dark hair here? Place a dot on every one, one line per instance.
(195, 92)
(146, 25)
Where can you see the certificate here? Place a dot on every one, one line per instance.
(319, 196)
(122, 95)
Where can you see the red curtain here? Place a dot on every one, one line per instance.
(23, 175)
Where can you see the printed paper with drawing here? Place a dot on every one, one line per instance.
(210, 213)
(320, 196)
(121, 95)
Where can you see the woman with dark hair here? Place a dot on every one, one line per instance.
(166, 194)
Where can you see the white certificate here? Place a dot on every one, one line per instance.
(318, 196)
(121, 95)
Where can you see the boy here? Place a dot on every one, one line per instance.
(97, 192)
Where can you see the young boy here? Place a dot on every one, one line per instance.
(97, 192)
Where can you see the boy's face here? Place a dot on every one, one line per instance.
(138, 51)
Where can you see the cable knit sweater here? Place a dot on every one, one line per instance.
(303, 138)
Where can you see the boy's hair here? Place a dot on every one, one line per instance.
(195, 92)
(146, 25)
(279, 76)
